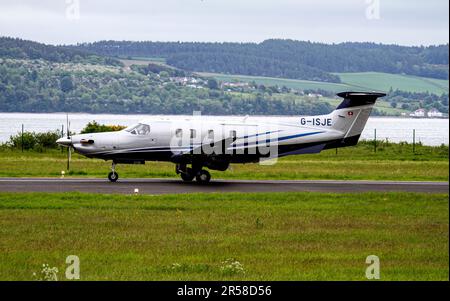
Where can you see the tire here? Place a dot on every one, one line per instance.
(187, 176)
(203, 177)
(113, 176)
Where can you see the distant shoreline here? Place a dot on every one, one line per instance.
(144, 114)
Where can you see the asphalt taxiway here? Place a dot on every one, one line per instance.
(166, 186)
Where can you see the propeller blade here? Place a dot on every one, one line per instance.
(69, 147)
(67, 125)
(69, 157)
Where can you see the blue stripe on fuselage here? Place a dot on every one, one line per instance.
(283, 138)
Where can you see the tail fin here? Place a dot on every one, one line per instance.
(351, 115)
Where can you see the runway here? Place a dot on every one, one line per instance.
(167, 186)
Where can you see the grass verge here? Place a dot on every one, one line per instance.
(390, 162)
(274, 236)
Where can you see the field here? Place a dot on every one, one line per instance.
(128, 61)
(390, 162)
(268, 236)
(351, 81)
(380, 105)
(271, 81)
(384, 81)
(143, 58)
(273, 236)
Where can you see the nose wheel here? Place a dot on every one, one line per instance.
(113, 175)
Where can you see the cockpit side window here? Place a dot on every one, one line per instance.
(140, 129)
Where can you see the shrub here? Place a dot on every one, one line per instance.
(95, 127)
(34, 141)
(27, 140)
(48, 139)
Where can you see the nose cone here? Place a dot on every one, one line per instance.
(64, 141)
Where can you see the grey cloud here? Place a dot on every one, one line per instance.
(412, 22)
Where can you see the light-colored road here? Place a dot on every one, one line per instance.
(166, 186)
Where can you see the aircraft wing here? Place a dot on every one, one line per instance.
(214, 147)
(206, 149)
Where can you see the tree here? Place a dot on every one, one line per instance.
(66, 83)
(212, 84)
(285, 58)
(405, 106)
(164, 74)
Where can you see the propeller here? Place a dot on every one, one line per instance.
(66, 141)
(69, 148)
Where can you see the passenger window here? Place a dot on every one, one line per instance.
(178, 133)
(210, 134)
(193, 133)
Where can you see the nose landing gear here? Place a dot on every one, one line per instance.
(113, 175)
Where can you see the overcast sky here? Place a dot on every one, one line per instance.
(405, 22)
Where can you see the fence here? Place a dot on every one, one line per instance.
(413, 140)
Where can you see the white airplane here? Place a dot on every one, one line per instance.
(215, 142)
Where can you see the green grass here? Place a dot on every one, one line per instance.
(142, 61)
(151, 59)
(271, 81)
(351, 81)
(143, 58)
(385, 106)
(380, 105)
(275, 236)
(384, 81)
(390, 162)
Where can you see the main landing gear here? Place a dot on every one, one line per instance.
(188, 174)
(113, 175)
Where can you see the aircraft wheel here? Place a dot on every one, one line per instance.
(113, 176)
(203, 176)
(187, 176)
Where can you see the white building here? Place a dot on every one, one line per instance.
(235, 84)
(435, 113)
(315, 95)
(418, 113)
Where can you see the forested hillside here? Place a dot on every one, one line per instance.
(42, 86)
(22, 49)
(40, 78)
(286, 58)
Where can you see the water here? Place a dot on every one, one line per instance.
(428, 131)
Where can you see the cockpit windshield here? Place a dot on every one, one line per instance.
(139, 129)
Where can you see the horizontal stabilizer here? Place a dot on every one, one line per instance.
(355, 99)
